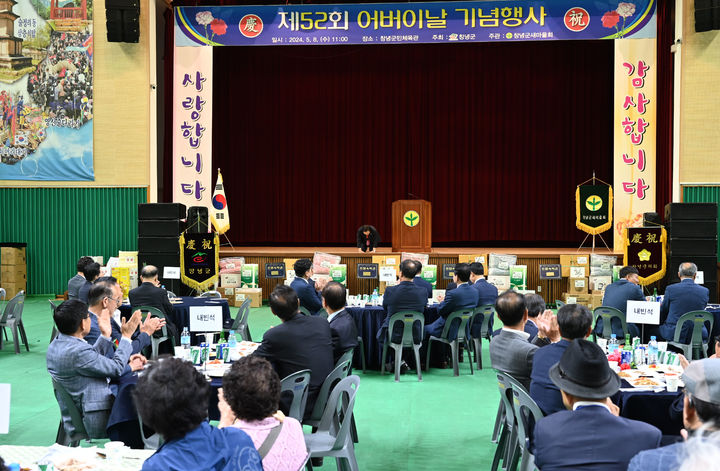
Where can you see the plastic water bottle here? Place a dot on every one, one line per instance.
(185, 338)
(374, 297)
(613, 344)
(652, 351)
(232, 340)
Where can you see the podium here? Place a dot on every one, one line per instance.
(411, 226)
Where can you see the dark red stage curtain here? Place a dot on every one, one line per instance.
(666, 37)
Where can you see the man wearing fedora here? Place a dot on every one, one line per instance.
(701, 414)
(588, 436)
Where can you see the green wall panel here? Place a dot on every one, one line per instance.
(703, 194)
(60, 225)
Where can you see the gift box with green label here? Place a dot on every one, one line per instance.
(250, 275)
(518, 276)
(339, 273)
(429, 273)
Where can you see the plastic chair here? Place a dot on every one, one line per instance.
(296, 383)
(346, 356)
(171, 295)
(487, 311)
(507, 441)
(607, 314)
(408, 320)
(155, 341)
(12, 318)
(53, 306)
(361, 344)
(65, 402)
(322, 313)
(559, 304)
(332, 437)
(154, 441)
(696, 349)
(464, 317)
(304, 311)
(341, 371)
(240, 324)
(527, 413)
(211, 294)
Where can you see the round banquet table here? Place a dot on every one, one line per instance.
(368, 320)
(650, 407)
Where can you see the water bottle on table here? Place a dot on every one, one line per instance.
(232, 340)
(652, 351)
(185, 338)
(613, 344)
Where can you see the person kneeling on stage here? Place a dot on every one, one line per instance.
(367, 238)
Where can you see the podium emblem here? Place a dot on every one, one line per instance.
(411, 218)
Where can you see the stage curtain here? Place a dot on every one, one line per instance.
(665, 62)
(314, 141)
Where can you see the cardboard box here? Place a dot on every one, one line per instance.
(598, 283)
(578, 272)
(477, 257)
(11, 289)
(253, 293)
(12, 255)
(595, 300)
(237, 300)
(227, 292)
(231, 280)
(123, 276)
(502, 283)
(583, 299)
(578, 285)
(13, 274)
(567, 261)
(499, 264)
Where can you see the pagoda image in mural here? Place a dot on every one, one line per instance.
(11, 56)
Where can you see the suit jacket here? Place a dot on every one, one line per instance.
(140, 339)
(83, 369)
(301, 342)
(462, 297)
(487, 293)
(309, 298)
(666, 458)
(374, 239)
(542, 389)
(531, 329)
(617, 295)
(512, 353)
(405, 296)
(344, 333)
(420, 281)
(681, 298)
(74, 285)
(147, 294)
(84, 291)
(450, 286)
(590, 438)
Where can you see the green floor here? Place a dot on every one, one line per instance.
(443, 422)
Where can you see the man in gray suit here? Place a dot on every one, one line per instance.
(83, 369)
(510, 350)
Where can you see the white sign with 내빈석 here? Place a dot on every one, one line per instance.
(643, 312)
(206, 319)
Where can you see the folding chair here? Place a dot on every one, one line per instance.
(341, 371)
(696, 349)
(608, 314)
(507, 441)
(12, 318)
(361, 344)
(527, 413)
(65, 402)
(487, 312)
(211, 294)
(464, 317)
(53, 306)
(155, 341)
(240, 324)
(332, 437)
(296, 383)
(408, 320)
(304, 311)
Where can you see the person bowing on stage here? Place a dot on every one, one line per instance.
(367, 238)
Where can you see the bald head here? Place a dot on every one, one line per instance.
(687, 270)
(149, 272)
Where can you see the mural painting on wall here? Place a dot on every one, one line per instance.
(46, 90)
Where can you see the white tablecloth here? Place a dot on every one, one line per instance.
(27, 456)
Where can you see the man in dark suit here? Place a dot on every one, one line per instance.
(420, 281)
(627, 288)
(367, 239)
(91, 272)
(510, 350)
(681, 298)
(342, 325)
(535, 306)
(574, 322)
(77, 281)
(462, 297)
(83, 369)
(487, 294)
(149, 293)
(589, 435)
(404, 296)
(308, 292)
(298, 343)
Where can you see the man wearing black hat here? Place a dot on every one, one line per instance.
(701, 413)
(588, 436)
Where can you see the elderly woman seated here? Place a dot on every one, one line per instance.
(172, 398)
(249, 401)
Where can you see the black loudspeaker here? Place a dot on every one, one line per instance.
(707, 15)
(197, 220)
(160, 227)
(149, 245)
(683, 211)
(692, 228)
(651, 219)
(123, 21)
(161, 211)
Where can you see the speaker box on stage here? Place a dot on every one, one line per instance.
(683, 211)
(197, 220)
(149, 245)
(651, 219)
(692, 247)
(692, 228)
(122, 20)
(161, 211)
(160, 227)
(707, 15)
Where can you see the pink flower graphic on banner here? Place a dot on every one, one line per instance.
(204, 18)
(610, 19)
(625, 9)
(218, 27)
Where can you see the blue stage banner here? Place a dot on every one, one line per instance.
(399, 23)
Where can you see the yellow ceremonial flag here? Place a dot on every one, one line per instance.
(219, 214)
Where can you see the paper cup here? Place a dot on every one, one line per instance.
(671, 379)
(114, 451)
